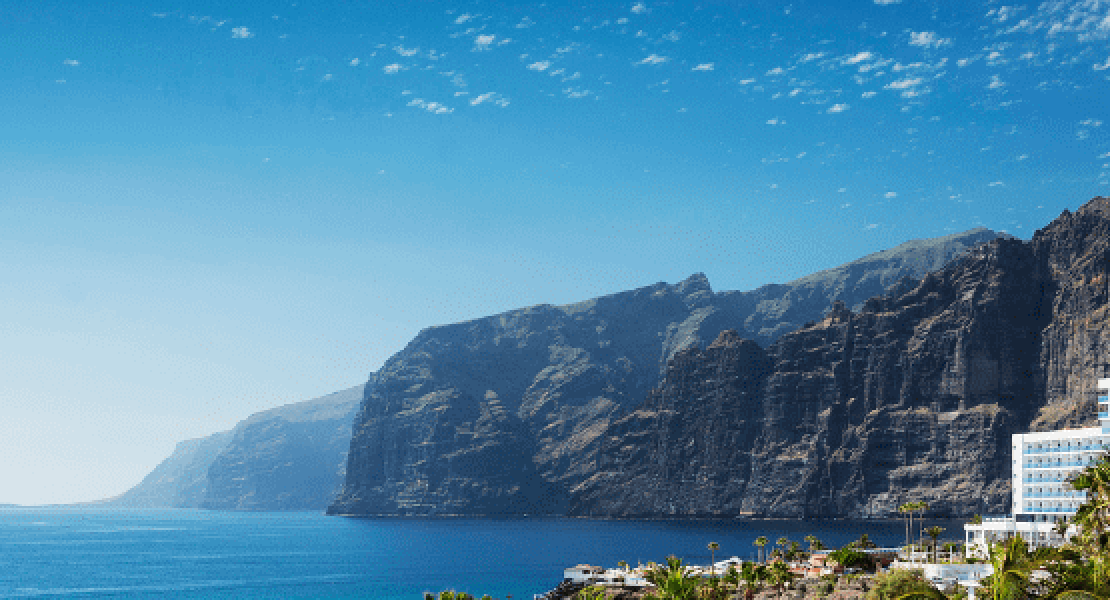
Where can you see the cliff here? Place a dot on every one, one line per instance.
(913, 397)
(180, 481)
(291, 457)
(506, 414)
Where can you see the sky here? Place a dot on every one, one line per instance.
(212, 208)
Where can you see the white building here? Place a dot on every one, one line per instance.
(1041, 492)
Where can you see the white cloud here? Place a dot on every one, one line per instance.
(776, 71)
(483, 42)
(433, 107)
(812, 56)
(837, 108)
(483, 98)
(1091, 123)
(653, 59)
(403, 51)
(928, 39)
(903, 84)
(703, 67)
(639, 8)
(673, 36)
(995, 184)
(541, 65)
(354, 62)
(463, 18)
(392, 69)
(890, 195)
(69, 62)
(525, 23)
(859, 57)
(747, 81)
(1106, 155)
(963, 62)
(870, 226)
(241, 33)
(1103, 66)
(996, 83)
(775, 121)
(885, 2)
(576, 92)
(869, 94)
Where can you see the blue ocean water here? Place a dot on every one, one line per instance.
(103, 553)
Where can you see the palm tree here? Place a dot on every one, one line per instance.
(864, 542)
(782, 543)
(906, 509)
(814, 543)
(713, 547)
(779, 576)
(1012, 566)
(922, 506)
(761, 542)
(934, 532)
(673, 581)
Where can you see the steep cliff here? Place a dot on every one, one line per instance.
(913, 397)
(503, 415)
(291, 457)
(180, 481)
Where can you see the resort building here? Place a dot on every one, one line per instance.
(1041, 492)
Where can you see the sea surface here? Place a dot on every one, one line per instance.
(103, 553)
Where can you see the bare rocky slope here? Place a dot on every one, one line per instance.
(507, 414)
(180, 481)
(292, 457)
(913, 397)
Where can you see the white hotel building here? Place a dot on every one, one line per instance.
(1041, 492)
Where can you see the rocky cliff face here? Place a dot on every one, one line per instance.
(505, 415)
(180, 481)
(912, 397)
(292, 457)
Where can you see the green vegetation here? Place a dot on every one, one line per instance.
(902, 584)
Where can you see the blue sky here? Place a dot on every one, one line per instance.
(212, 208)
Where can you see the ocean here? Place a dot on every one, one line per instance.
(104, 553)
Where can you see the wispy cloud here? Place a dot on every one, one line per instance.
(483, 42)
(885, 2)
(928, 39)
(653, 59)
(392, 69)
(403, 51)
(69, 62)
(837, 108)
(1091, 123)
(490, 97)
(703, 67)
(463, 18)
(241, 33)
(775, 121)
(540, 65)
(433, 107)
(859, 57)
(890, 195)
(639, 8)
(996, 83)
(903, 84)
(354, 62)
(1103, 66)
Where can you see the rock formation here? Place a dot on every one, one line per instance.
(292, 457)
(914, 397)
(180, 481)
(505, 414)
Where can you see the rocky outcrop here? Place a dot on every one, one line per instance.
(292, 457)
(505, 414)
(914, 396)
(180, 481)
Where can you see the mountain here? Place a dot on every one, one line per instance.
(292, 457)
(912, 397)
(180, 481)
(506, 414)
